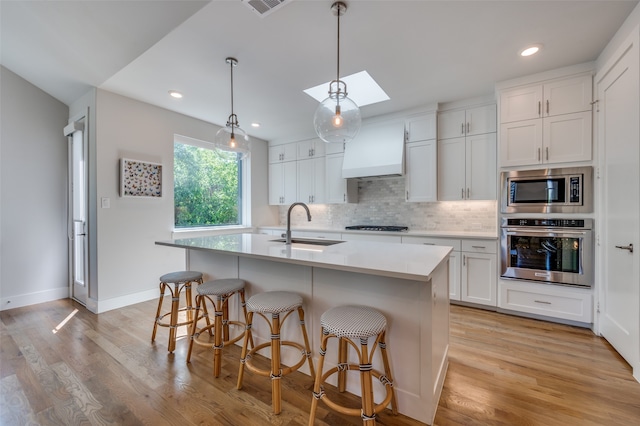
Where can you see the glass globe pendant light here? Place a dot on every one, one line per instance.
(232, 137)
(337, 118)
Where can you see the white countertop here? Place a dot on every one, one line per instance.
(405, 261)
(410, 233)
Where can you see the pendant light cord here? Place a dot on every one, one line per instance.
(338, 49)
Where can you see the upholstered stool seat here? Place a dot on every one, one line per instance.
(347, 323)
(274, 303)
(217, 292)
(181, 280)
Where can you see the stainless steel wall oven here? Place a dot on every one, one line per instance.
(558, 251)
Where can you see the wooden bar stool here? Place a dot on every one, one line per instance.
(221, 290)
(348, 323)
(274, 303)
(181, 280)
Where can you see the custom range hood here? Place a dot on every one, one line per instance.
(377, 151)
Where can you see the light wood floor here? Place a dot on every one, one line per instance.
(103, 370)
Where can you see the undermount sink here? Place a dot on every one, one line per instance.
(309, 241)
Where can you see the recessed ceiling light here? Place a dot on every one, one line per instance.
(255, 124)
(175, 94)
(531, 50)
(362, 89)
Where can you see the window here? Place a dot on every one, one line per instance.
(207, 185)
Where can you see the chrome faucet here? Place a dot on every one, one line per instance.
(288, 235)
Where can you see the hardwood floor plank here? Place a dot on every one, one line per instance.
(16, 409)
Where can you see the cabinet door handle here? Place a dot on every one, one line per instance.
(547, 106)
(629, 247)
(538, 154)
(429, 244)
(462, 194)
(407, 195)
(478, 247)
(464, 260)
(462, 128)
(547, 153)
(344, 197)
(539, 107)
(468, 127)
(468, 193)
(543, 302)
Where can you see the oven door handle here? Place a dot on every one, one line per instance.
(524, 232)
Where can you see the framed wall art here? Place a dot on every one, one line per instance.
(140, 178)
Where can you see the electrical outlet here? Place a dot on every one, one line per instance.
(105, 202)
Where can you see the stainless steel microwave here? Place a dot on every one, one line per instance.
(561, 190)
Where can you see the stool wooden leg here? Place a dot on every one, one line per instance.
(244, 310)
(387, 372)
(317, 393)
(217, 335)
(194, 326)
(187, 290)
(368, 406)
(307, 347)
(342, 361)
(275, 363)
(155, 324)
(173, 328)
(243, 355)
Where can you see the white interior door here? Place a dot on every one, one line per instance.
(78, 249)
(618, 134)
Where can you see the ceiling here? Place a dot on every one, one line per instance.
(420, 52)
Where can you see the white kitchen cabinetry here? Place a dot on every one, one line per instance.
(454, 259)
(421, 172)
(467, 168)
(310, 148)
(467, 122)
(479, 272)
(546, 123)
(282, 183)
(420, 127)
(575, 304)
(283, 153)
(338, 190)
(382, 238)
(311, 180)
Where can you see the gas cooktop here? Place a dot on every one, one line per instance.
(377, 228)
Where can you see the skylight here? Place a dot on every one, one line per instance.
(361, 88)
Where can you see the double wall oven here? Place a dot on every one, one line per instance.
(544, 235)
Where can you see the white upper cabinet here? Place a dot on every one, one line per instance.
(311, 180)
(548, 123)
(556, 97)
(311, 148)
(421, 171)
(421, 127)
(467, 168)
(337, 189)
(282, 153)
(282, 183)
(471, 121)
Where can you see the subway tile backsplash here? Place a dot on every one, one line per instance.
(381, 202)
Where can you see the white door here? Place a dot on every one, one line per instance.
(78, 247)
(619, 139)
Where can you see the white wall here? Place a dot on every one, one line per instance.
(128, 261)
(33, 173)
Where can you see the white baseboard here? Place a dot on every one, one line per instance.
(95, 306)
(100, 306)
(21, 300)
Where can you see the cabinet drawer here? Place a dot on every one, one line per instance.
(433, 241)
(316, 234)
(372, 237)
(572, 304)
(479, 246)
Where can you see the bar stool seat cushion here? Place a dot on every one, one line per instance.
(274, 302)
(181, 276)
(220, 287)
(354, 322)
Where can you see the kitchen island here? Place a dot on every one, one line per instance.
(407, 283)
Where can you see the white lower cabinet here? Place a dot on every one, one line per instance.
(479, 272)
(575, 304)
